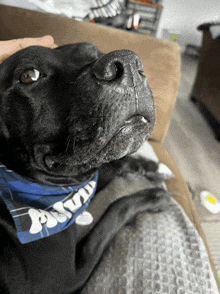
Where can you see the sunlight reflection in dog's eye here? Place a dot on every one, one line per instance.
(30, 76)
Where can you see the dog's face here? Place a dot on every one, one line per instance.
(66, 111)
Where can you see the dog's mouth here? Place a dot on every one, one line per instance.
(136, 120)
(126, 140)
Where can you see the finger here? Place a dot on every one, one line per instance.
(53, 46)
(46, 41)
(15, 45)
(8, 48)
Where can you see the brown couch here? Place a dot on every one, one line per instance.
(206, 89)
(161, 61)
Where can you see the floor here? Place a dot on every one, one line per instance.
(196, 153)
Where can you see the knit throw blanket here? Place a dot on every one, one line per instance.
(160, 253)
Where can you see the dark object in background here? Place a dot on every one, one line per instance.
(117, 21)
(192, 50)
(206, 90)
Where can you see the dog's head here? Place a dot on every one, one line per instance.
(64, 112)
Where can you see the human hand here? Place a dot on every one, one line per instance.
(8, 48)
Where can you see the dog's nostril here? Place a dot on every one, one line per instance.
(120, 69)
(114, 65)
(108, 71)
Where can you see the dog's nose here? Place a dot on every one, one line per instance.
(117, 64)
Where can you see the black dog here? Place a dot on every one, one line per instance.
(64, 114)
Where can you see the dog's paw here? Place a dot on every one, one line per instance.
(157, 200)
(141, 168)
(163, 173)
(129, 165)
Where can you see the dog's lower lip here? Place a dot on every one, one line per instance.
(133, 121)
(141, 117)
(129, 126)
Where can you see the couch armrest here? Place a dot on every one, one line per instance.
(161, 59)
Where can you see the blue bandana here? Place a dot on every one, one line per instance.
(41, 210)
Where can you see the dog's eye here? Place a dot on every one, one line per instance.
(30, 76)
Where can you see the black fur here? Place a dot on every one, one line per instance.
(85, 110)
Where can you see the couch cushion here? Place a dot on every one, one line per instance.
(161, 59)
(179, 189)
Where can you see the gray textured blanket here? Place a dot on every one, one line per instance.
(161, 253)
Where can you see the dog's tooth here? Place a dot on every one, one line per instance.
(92, 184)
(82, 192)
(144, 119)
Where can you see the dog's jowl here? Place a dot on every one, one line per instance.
(64, 115)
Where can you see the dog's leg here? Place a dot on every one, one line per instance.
(90, 249)
(140, 167)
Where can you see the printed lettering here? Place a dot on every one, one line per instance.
(59, 217)
(89, 189)
(39, 217)
(93, 184)
(58, 206)
(51, 219)
(76, 201)
(69, 204)
(84, 194)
